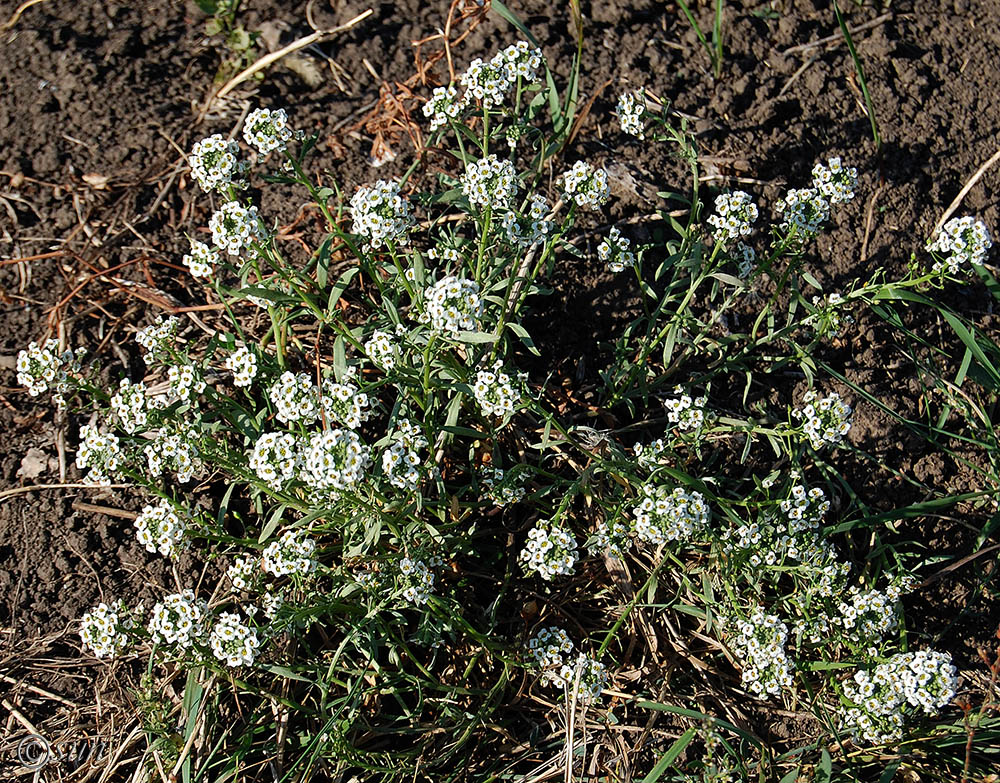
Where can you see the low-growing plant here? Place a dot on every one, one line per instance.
(409, 530)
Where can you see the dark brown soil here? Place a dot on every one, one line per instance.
(96, 99)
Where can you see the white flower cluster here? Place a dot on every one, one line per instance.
(101, 453)
(270, 604)
(489, 82)
(503, 488)
(295, 398)
(495, 392)
(267, 130)
(381, 214)
(759, 643)
(416, 580)
(631, 111)
(835, 182)
(670, 515)
(160, 529)
(102, 629)
(130, 405)
(614, 251)
(868, 617)
(275, 458)
(334, 461)
(42, 367)
(215, 165)
(735, 214)
(401, 462)
(243, 365)
(235, 227)
(793, 534)
(178, 619)
(551, 650)
(443, 106)
(343, 402)
(803, 211)
(490, 182)
(184, 379)
(157, 340)
(201, 260)
(925, 679)
(827, 321)
(233, 642)
(551, 550)
(960, 241)
(242, 572)
(650, 456)
(175, 453)
(526, 230)
(382, 350)
(827, 420)
(611, 537)
(585, 185)
(453, 305)
(685, 412)
(293, 553)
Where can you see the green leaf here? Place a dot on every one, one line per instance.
(212, 26)
(323, 260)
(473, 338)
(668, 758)
(522, 333)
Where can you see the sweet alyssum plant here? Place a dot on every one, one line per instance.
(370, 439)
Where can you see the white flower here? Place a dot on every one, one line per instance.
(178, 619)
(275, 459)
(334, 461)
(235, 227)
(103, 628)
(130, 405)
(614, 251)
(803, 211)
(201, 260)
(684, 411)
(491, 182)
(243, 571)
(175, 453)
(495, 392)
(826, 420)
(184, 380)
(550, 551)
(526, 230)
(381, 349)
(503, 488)
(242, 363)
(453, 305)
(834, 182)
(631, 112)
(670, 515)
(295, 398)
(100, 453)
(157, 340)
(415, 581)
(735, 214)
(290, 554)
(160, 529)
(401, 462)
(267, 130)
(381, 214)
(443, 106)
(583, 677)
(41, 367)
(759, 644)
(961, 241)
(585, 185)
(215, 165)
(233, 642)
